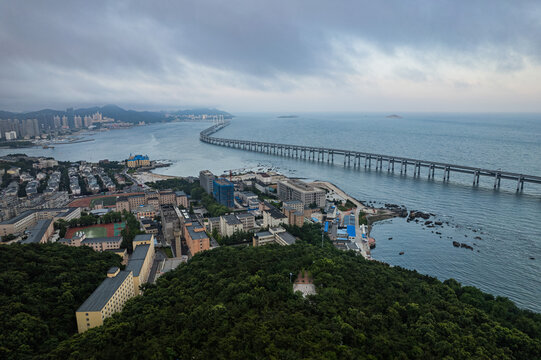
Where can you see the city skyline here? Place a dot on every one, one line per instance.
(248, 56)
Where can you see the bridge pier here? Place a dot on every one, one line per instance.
(476, 178)
(497, 179)
(520, 183)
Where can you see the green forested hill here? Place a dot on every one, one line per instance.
(41, 286)
(237, 303)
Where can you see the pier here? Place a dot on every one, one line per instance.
(358, 159)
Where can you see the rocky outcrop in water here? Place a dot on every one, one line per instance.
(462, 245)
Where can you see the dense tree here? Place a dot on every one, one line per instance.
(132, 229)
(237, 302)
(238, 237)
(41, 287)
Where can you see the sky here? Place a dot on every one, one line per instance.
(281, 56)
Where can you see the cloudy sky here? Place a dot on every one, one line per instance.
(311, 55)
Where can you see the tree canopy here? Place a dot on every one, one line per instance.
(238, 303)
(41, 287)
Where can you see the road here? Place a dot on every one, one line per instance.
(363, 245)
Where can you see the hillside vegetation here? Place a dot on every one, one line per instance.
(238, 303)
(41, 286)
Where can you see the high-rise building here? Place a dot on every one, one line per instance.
(97, 117)
(78, 122)
(10, 135)
(206, 179)
(30, 128)
(65, 122)
(223, 191)
(57, 122)
(87, 121)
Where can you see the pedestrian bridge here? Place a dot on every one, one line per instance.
(357, 158)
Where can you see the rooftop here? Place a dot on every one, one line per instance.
(143, 237)
(137, 259)
(300, 185)
(37, 232)
(231, 219)
(286, 237)
(196, 235)
(223, 182)
(18, 217)
(102, 239)
(97, 300)
(263, 234)
(275, 213)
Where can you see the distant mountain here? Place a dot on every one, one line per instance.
(113, 111)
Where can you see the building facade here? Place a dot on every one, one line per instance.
(292, 189)
(138, 161)
(206, 180)
(107, 299)
(224, 192)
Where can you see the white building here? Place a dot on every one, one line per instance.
(10, 135)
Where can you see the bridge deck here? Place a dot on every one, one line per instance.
(348, 155)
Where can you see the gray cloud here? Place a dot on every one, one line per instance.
(48, 45)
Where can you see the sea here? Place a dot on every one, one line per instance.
(502, 226)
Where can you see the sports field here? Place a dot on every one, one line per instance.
(107, 201)
(96, 231)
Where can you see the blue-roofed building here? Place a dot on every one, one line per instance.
(224, 191)
(138, 161)
(351, 232)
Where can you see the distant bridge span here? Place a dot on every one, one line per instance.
(355, 158)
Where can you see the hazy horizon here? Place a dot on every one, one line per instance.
(251, 56)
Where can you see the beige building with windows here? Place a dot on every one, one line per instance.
(292, 189)
(181, 199)
(276, 235)
(28, 219)
(136, 200)
(141, 260)
(272, 217)
(122, 204)
(107, 299)
(229, 224)
(167, 197)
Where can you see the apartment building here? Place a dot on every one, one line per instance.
(223, 192)
(272, 217)
(275, 235)
(122, 204)
(98, 244)
(206, 180)
(108, 298)
(136, 200)
(247, 220)
(292, 189)
(29, 218)
(196, 237)
(140, 263)
(229, 224)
